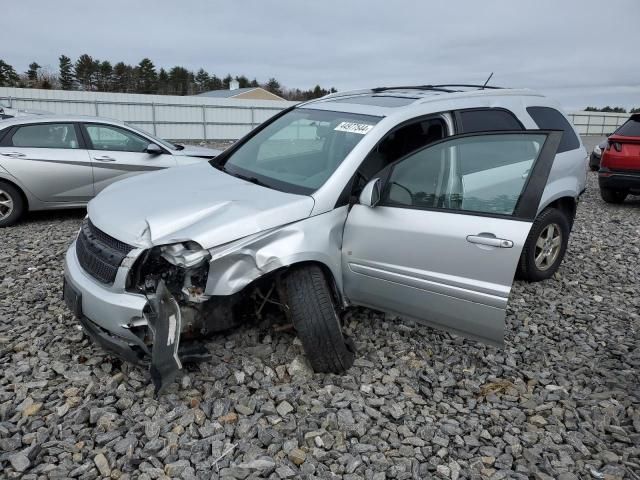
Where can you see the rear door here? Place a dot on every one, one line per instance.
(118, 153)
(49, 160)
(443, 243)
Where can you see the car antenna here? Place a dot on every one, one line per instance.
(485, 83)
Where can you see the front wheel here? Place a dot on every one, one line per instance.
(612, 196)
(545, 246)
(313, 313)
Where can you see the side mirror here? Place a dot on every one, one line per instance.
(153, 149)
(370, 195)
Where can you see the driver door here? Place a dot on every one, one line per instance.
(117, 153)
(442, 244)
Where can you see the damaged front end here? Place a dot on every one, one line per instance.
(173, 278)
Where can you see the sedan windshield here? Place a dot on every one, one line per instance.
(299, 151)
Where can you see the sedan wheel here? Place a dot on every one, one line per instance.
(548, 246)
(12, 204)
(6, 205)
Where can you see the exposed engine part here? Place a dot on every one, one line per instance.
(185, 255)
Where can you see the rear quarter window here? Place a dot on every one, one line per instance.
(486, 120)
(548, 118)
(630, 128)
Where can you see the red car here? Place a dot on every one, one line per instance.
(619, 173)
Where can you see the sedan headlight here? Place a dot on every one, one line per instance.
(186, 255)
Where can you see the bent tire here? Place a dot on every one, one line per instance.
(11, 204)
(316, 321)
(545, 246)
(612, 196)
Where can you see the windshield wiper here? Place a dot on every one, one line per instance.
(247, 178)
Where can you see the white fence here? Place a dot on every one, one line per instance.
(203, 118)
(171, 117)
(597, 123)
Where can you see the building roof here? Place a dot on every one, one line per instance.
(226, 93)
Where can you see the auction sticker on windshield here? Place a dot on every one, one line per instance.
(352, 127)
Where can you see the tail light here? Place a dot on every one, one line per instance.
(616, 145)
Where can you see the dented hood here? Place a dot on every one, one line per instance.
(196, 202)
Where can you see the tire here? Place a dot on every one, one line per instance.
(612, 196)
(12, 204)
(313, 313)
(550, 224)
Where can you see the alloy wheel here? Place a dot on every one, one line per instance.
(6, 204)
(548, 246)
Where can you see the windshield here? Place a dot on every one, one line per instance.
(299, 151)
(164, 143)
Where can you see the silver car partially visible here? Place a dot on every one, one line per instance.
(52, 162)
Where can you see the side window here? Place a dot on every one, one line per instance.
(481, 174)
(550, 119)
(45, 135)
(486, 120)
(400, 142)
(106, 137)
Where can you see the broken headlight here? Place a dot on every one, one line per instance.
(186, 255)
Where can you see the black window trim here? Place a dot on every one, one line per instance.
(457, 119)
(87, 138)
(526, 208)
(6, 140)
(573, 135)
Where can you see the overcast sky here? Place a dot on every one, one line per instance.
(583, 52)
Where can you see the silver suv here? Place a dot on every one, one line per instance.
(420, 201)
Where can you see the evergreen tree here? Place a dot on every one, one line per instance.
(163, 82)
(273, 86)
(254, 83)
(86, 71)
(123, 78)
(180, 81)
(8, 75)
(243, 82)
(214, 83)
(104, 80)
(32, 74)
(147, 77)
(202, 80)
(66, 73)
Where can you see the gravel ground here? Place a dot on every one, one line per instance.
(562, 400)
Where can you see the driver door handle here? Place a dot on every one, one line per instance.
(14, 154)
(490, 241)
(105, 158)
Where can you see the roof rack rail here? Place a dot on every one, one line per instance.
(469, 85)
(436, 88)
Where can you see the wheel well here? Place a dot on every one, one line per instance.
(328, 274)
(567, 205)
(20, 191)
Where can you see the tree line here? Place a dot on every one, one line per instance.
(91, 74)
(609, 109)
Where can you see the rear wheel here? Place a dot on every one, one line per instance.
(11, 204)
(313, 313)
(612, 196)
(545, 246)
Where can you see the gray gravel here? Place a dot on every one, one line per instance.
(562, 400)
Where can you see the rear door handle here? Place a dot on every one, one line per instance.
(105, 158)
(490, 241)
(14, 154)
